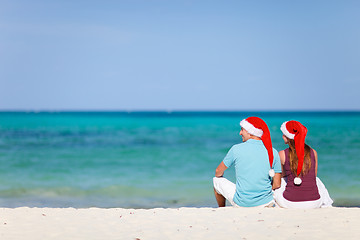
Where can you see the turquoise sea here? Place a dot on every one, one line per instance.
(152, 159)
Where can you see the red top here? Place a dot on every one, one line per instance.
(307, 190)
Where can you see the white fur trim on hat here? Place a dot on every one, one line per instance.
(286, 132)
(251, 129)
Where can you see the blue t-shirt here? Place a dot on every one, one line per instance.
(253, 183)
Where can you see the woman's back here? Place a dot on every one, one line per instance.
(308, 190)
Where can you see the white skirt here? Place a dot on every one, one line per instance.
(324, 201)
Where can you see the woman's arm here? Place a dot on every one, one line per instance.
(316, 162)
(282, 160)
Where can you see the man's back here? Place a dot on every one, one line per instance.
(253, 184)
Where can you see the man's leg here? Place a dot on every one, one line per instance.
(220, 199)
(224, 190)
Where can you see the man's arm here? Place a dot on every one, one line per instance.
(276, 181)
(219, 172)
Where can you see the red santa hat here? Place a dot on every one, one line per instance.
(257, 127)
(295, 130)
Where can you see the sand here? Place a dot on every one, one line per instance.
(183, 223)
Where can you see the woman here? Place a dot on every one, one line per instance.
(300, 188)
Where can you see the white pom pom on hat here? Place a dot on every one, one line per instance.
(297, 181)
(271, 173)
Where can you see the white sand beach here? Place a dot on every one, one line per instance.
(183, 223)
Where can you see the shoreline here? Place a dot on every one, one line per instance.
(179, 223)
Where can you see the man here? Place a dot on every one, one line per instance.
(257, 168)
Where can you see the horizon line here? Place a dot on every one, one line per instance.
(175, 110)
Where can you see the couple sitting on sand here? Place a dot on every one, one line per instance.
(266, 178)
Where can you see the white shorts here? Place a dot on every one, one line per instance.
(227, 189)
(324, 201)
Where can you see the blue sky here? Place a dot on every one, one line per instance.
(179, 55)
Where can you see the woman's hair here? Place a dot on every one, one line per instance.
(294, 159)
